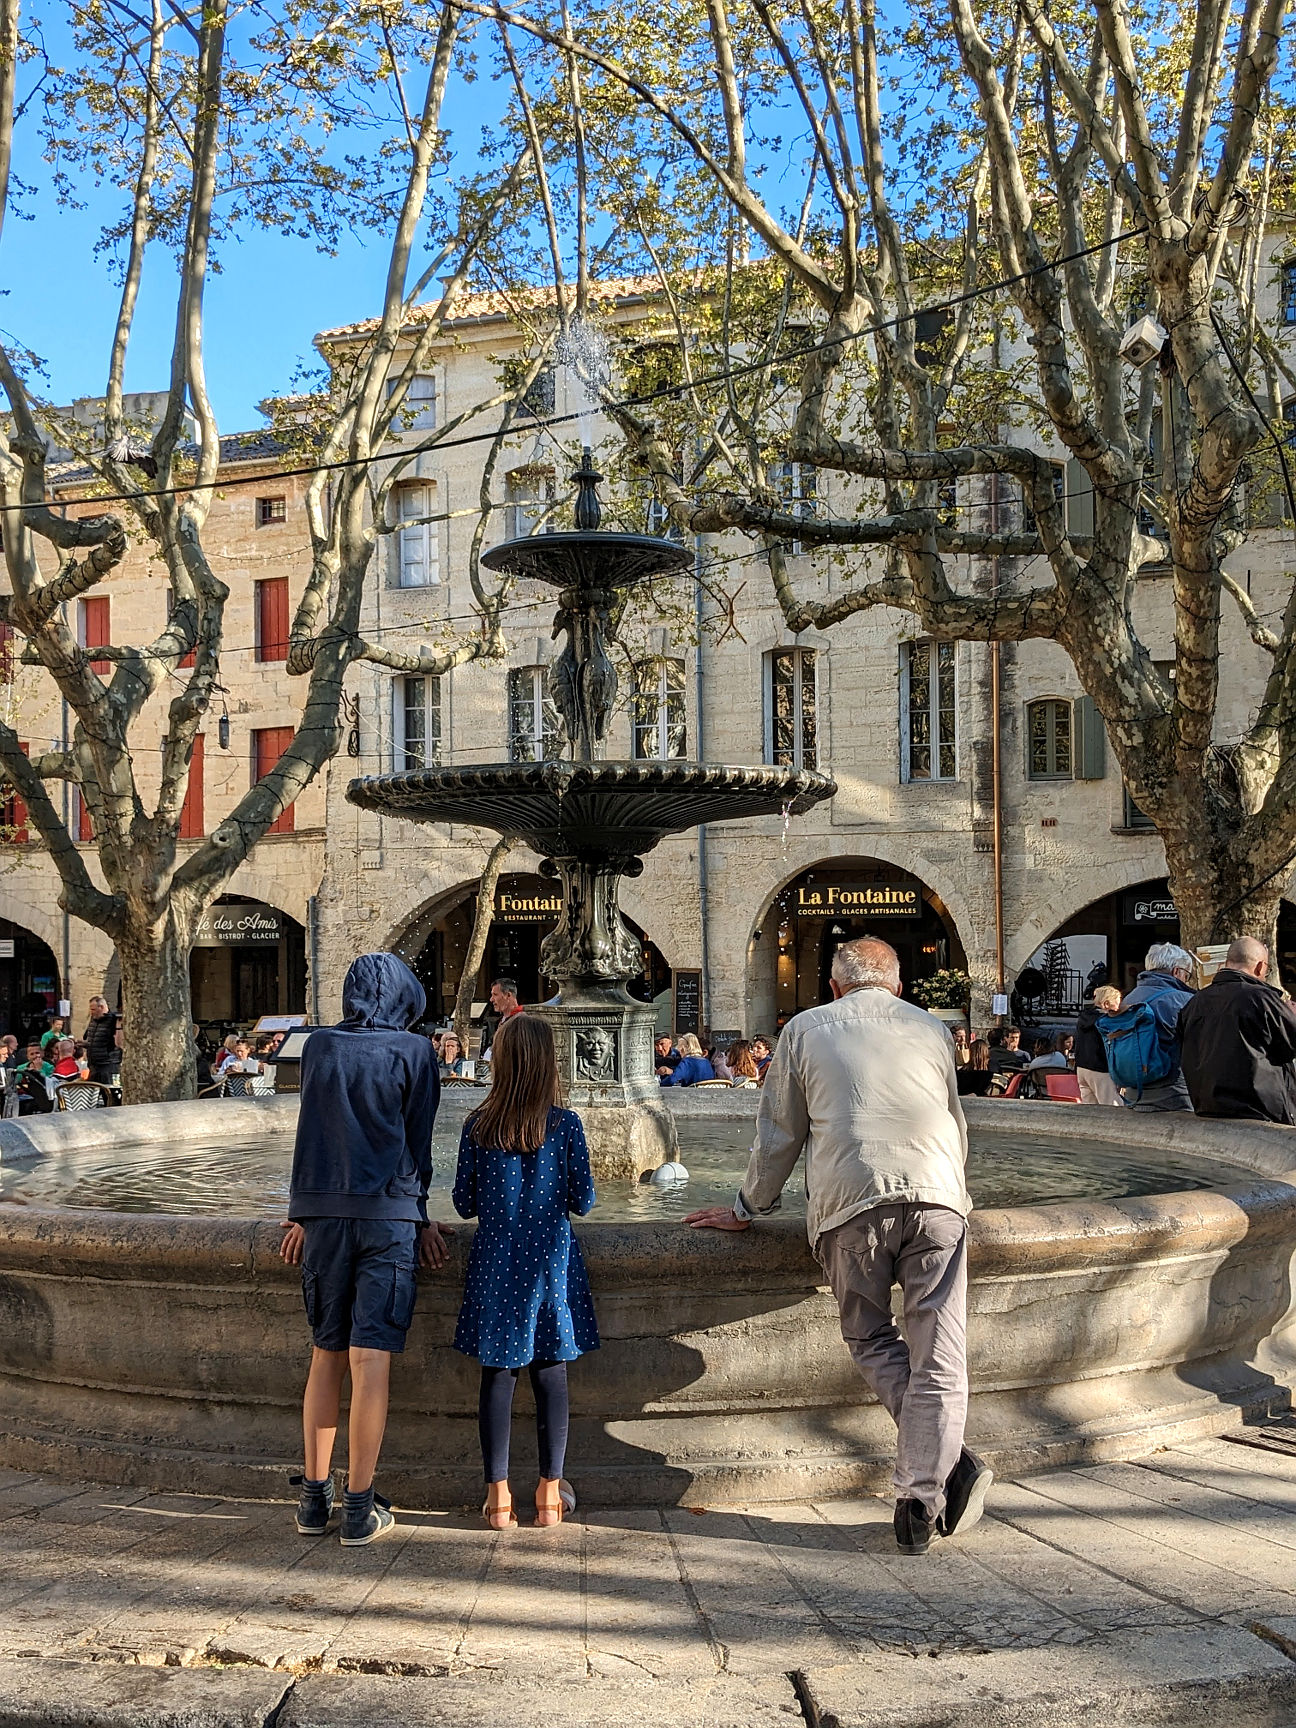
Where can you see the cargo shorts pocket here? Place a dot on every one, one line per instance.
(310, 1298)
(400, 1303)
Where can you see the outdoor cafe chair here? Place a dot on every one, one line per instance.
(81, 1094)
(1062, 1088)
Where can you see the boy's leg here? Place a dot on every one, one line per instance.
(370, 1381)
(320, 1410)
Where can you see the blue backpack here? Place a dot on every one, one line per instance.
(1136, 1057)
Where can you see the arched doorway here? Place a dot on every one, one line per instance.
(526, 910)
(833, 902)
(29, 981)
(1107, 941)
(248, 959)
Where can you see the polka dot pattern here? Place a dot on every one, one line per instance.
(526, 1297)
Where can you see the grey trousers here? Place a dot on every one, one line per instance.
(922, 1382)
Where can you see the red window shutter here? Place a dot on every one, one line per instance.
(270, 742)
(97, 627)
(272, 618)
(15, 811)
(85, 827)
(192, 824)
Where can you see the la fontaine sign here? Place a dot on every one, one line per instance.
(246, 923)
(527, 907)
(901, 899)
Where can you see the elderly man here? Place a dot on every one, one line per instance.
(1238, 1041)
(1163, 989)
(865, 1085)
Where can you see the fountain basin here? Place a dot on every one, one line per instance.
(561, 807)
(170, 1352)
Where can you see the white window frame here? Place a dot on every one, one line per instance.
(1044, 776)
(801, 656)
(418, 412)
(418, 545)
(656, 732)
(546, 744)
(907, 773)
(435, 731)
(528, 499)
(797, 484)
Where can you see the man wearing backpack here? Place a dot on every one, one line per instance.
(1142, 1040)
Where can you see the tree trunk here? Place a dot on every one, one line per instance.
(482, 918)
(159, 1061)
(1215, 896)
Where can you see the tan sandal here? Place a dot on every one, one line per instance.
(547, 1515)
(499, 1517)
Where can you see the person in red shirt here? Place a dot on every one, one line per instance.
(66, 1066)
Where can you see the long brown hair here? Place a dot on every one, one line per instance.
(524, 1087)
(741, 1061)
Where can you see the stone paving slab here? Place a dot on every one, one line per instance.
(1158, 1591)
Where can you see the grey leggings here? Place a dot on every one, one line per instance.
(495, 1414)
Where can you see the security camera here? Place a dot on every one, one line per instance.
(1142, 342)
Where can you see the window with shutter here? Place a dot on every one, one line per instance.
(192, 825)
(95, 627)
(13, 811)
(416, 538)
(81, 817)
(272, 618)
(1048, 740)
(268, 745)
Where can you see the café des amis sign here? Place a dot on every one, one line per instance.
(902, 899)
(244, 924)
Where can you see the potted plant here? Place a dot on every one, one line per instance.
(944, 994)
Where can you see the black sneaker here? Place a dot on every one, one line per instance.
(966, 1488)
(364, 1517)
(314, 1504)
(914, 1527)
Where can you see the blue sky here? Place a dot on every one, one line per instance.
(270, 297)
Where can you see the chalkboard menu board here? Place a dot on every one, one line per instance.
(688, 1001)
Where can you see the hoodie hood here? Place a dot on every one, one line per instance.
(381, 992)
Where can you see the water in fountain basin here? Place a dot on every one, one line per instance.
(250, 1180)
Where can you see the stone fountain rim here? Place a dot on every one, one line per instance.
(519, 554)
(1004, 1240)
(561, 771)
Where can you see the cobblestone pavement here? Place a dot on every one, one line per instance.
(1163, 1590)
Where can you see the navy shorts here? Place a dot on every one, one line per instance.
(358, 1282)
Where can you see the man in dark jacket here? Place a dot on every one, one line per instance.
(1163, 987)
(103, 1058)
(357, 1208)
(1239, 1041)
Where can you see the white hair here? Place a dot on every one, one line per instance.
(1168, 957)
(868, 961)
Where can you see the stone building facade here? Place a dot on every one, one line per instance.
(254, 949)
(742, 919)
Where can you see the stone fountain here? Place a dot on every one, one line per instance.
(592, 820)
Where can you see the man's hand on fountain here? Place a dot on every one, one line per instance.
(434, 1246)
(294, 1240)
(717, 1218)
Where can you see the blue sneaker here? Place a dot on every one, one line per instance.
(365, 1517)
(314, 1505)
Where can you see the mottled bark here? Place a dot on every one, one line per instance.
(160, 1061)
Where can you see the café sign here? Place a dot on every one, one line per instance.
(527, 907)
(244, 924)
(901, 899)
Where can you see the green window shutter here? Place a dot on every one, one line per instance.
(1090, 741)
(1079, 501)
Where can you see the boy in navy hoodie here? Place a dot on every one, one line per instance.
(358, 1224)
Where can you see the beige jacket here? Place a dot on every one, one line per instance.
(866, 1085)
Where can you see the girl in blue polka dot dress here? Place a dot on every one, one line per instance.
(523, 1169)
